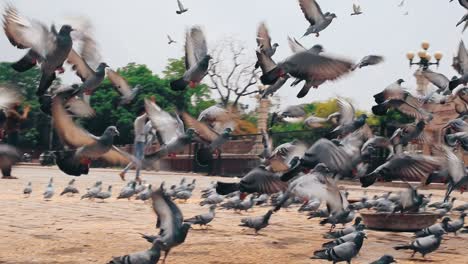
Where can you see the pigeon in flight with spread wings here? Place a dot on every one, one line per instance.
(317, 19)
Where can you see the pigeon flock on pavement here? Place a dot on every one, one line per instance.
(290, 174)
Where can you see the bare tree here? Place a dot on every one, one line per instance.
(232, 72)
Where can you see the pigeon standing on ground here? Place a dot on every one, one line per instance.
(257, 223)
(454, 226)
(27, 190)
(203, 219)
(104, 195)
(70, 189)
(196, 60)
(127, 192)
(432, 230)
(49, 191)
(93, 191)
(343, 252)
(385, 259)
(146, 194)
(423, 245)
(318, 20)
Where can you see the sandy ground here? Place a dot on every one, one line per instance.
(70, 230)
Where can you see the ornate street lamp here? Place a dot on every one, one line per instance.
(424, 57)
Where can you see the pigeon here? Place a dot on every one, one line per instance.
(264, 42)
(357, 226)
(296, 47)
(246, 204)
(145, 195)
(341, 240)
(257, 223)
(93, 191)
(182, 9)
(212, 199)
(453, 226)
(461, 208)
(368, 60)
(104, 195)
(203, 219)
(348, 122)
(170, 130)
(149, 256)
(48, 47)
(423, 245)
(261, 199)
(318, 214)
(219, 117)
(318, 20)
(183, 195)
(342, 252)
(404, 166)
(456, 172)
(49, 191)
(140, 187)
(314, 69)
(127, 93)
(9, 155)
(437, 79)
(170, 40)
(70, 189)
(385, 259)
(432, 230)
(27, 190)
(127, 192)
(281, 157)
(407, 133)
(173, 230)
(258, 180)
(356, 10)
(459, 138)
(196, 60)
(87, 145)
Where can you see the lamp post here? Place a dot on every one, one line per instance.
(425, 61)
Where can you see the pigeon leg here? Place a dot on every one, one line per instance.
(165, 255)
(317, 34)
(414, 253)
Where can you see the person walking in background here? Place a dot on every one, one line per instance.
(11, 131)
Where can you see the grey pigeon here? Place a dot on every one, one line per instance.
(170, 40)
(173, 230)
(461, 208)
(341, 240)
(93, 191)
(357, 226)
(145, 195)
(70, 189)
(246, 204)
(127, 93)
(385, 259)
(448, 205)
(356, 10)
(432, 230)
(203, 219)
(181, 7)
(104, 195)
(150, 256)
(407, 133)
(257, 223)
(318, 20)
(49, 191)
(311, 70)
(455, 139)
(261, 199)
(423, 245)
(196, 60)
(213, 199)
(453, 226)
(264, 42)
(27, 190)
(127, 192)
(295, 47)
(368, 60)
(140, 187)
(343, 252)
(348, 122)
(183, 195)
(49, 47)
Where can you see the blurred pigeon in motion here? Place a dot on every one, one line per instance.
(93, 191)
(203, 219)
(461, 208)
(65, 160)
(431, 230)
(453, 226)
(261, 199)
(127, 93)
(219, 118)
(104, 195)
(312, 68)
(348, 122)
(407, 133)
(212, 199)
(140, 187)
(196, 60)
(313, 13)
(356, 10)
(145, 195)
(341, 240)
(368, 60)
(257, 223)
(385, 259)
(181, 7)
(48, 47)
(296, 46)
(49, 191)
(291, 114)
(264, 42)
(183, 195)
(127, 192)
(342, 252)
(357, 226)
(282, 156)
(9, 155)
(172, 229)
(423, 245)
(456, 172)
(70, 189)
(150, 256)
(27, 190)
(459, 138)
(170, 40)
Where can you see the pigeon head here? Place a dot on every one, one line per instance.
(112, 130)
(227, 131)
(332, 15)
(454, 199)
(318, 48)
(185, 228)
(321, 168)
(400, 81)
(65, 30)
(358, 220)
(446, 220)
(190, 132)
(360, 227)
(212, 207)
(363, 116)
(275, 45)
(102, 66)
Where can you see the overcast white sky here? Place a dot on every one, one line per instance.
(135, 31)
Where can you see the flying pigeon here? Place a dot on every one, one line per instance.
(313, 13)
(182, 9)
(368, 60)
(170, 40)
(264, 42)
(122, 86)
(356, 10)
(196, 60)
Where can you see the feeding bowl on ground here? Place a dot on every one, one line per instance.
(406, 222)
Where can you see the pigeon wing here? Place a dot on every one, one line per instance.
(312, 11)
